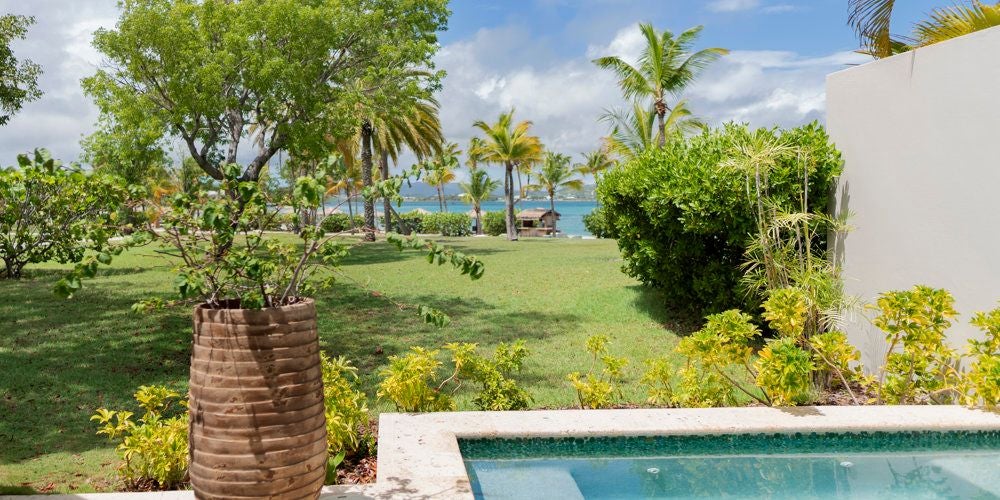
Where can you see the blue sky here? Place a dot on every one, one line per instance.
(533, 55)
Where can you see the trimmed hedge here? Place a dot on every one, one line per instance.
(338, 223)
(446, 224)
(412, 222)
(494, 223)
(683, 218)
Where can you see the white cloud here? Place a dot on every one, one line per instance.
(733, 5)
(780, 8)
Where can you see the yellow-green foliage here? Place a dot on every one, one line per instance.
(785, 310)
(498, 390)
(599, 389)
(982, 382)
(699, 387)
(408, 379)
(154, 450)
(919, 366)
(346, 407)
(658, 380)
(834, 355)
(784, 372)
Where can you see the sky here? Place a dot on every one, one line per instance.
(532, 55)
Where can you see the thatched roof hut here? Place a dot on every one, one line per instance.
(536, 221)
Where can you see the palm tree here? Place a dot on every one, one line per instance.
(474, 153)
(509, 145)
(595, 162)
(442, 171)
(554, 175)
(666, 66)
(872, 19)
(479, 188)
(346, 180)
(632, 131)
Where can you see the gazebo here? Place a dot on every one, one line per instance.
(537, 222)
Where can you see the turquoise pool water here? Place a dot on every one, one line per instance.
(912, 465)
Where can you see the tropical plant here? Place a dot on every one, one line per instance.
(595, 162)
(599, 389)
(632, 131)
(474, 153)
(19, 83)
(684, 217)
(498, 389)
(345, 406)
(494, 223)
(597, 224)
(345, 179)
(441, 171)
(554, 175)
(982, 382)
(666, 66)
(50, 212)
(509, 145)
(446, 224)
(872, 19)
(154, 450)
(478, 189)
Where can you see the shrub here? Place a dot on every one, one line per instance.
(339, 223)
(919, 366)
(446, 224)
(982, 384)
(599, 389)
(408, 382)
(346, 407)
(411, 221)
(683, 218)
(494, 223)
(784, 372)
(597, 224)
(49, 212)
(498, 390)
(154, 450)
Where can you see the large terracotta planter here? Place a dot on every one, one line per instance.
(257, 426)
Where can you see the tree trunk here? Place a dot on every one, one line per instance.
(508, 184)
(661, 112)
(440, 198)
(366, 179)
(479, 219)
(383, 167)
(12, 270)
(552, 206)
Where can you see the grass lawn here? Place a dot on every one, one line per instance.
(60, 360)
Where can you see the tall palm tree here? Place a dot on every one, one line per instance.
(509, 145)
(665, 67)
(554, 175)
(479, 188)
(872, 19)
(346, 180)
(442, 171)
(474, 153)
(632, 131)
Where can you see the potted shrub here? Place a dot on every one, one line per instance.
(256, 423)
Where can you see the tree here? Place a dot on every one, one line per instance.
(479, 188)
(554, 175)
(210, 70)
(473, 153)
(442, 171)
(50, 212)
(872, 19)
(633, 132)
(665, 67)
(595, 162)
(18, 79)
(509, 145)
(137, 155)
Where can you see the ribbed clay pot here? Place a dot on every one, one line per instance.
(257, 426)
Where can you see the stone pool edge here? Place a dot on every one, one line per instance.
(425, 446)
(418, 454)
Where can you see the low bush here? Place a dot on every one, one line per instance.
(599, 389)
(446, 224)
(498, 391)
(154, 450)
(339, 223)
(597, 224)
(494, 223)
(685, 214)
(411, 222)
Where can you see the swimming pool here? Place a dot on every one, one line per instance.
(907, 465)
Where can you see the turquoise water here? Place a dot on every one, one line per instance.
(570, 224)
(864, 466)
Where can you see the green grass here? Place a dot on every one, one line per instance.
(60, 360)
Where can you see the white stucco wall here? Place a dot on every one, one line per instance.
(920, 134)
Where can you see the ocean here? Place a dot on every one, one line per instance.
(571, 212)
